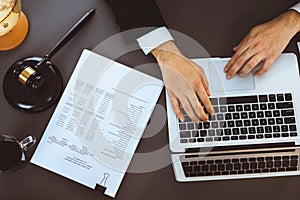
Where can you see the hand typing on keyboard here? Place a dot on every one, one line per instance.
(265, 116)
(185, 81)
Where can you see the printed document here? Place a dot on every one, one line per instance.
(98, 122)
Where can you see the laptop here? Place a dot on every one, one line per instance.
(254, 132)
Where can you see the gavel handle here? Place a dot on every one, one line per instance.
(67, 37)
(32, 73)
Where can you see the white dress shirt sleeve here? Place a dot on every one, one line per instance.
(296, 7)
(153, 39)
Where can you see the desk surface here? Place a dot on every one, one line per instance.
(216, 25)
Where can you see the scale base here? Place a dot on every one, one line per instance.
(33, 100)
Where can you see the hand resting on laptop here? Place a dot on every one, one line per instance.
(264, 43)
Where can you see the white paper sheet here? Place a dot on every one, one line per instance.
(98, 122)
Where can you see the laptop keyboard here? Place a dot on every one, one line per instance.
(244, 118)
(242, 165)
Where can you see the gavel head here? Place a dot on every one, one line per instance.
(28, 76)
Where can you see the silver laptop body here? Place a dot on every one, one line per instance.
(254, 132)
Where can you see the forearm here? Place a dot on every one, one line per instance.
(165, 50)
(290, 20)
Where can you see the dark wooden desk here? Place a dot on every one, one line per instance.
(216, 25)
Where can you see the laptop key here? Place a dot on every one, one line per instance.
(291, 169)
(284, 105)
(269, 164)
(241, 99)
(182, 126)
(263, 122)
(260, 114)
(295, 157)
(210, 162)
(247, 107)
(213, 167)
(195, 134)
(277, 164)
(217, 173)
(225, 173)
(192, 140)
(294, 163)
(263, 98)
(292, 127)
(245, 166)
(284, 135)
(231, 108)
(261, 165)
(288, 97)
(183, 141)
(218, 161)
(276, 129)
(225, 138)
(260, 159)
(187, 169)
(205, 168)
(185, 134)
(255, 107)
(203, 133)
(280, 97)
(234, 137)
(214, 101)
(293, 134)
(289, 120)
(285, 163)
(281, 169)
(239, 108)
(271, 106)
(236, 131)
(263, 106)
(206, 125)
(221, 167)
(251, 136)
(191, 126)
(229, 167)
(253, 165)
(268, 135)
(276, 113)
(243, 137)
(284, 128)
(265, 170)
(273, 170)
(272, 98)
(201, 162)
(260, 136)
(287, 113)
(193, 163)
(276, 135)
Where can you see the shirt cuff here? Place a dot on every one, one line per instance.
(296, 7)
(153, 39)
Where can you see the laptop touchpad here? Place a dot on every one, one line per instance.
(219, 83)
